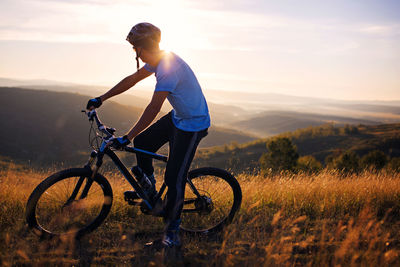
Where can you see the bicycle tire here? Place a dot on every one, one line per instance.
(228, 193)
(52, 188)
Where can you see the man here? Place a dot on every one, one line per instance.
(183, 127)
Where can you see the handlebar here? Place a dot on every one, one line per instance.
(92, 115)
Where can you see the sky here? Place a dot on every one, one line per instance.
(338, 49)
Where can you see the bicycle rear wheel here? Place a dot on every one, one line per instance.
(69, 202)
(212, 197)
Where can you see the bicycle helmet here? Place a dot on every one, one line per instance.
(144, 35)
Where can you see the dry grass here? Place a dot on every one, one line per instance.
(291, 220)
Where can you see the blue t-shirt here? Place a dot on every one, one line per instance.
(190, 110)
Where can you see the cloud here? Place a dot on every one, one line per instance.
(381, 30)
(53, 21)
(185, 25)
(244, 41)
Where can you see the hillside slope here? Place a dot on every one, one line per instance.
(319, 142)
(45, 127)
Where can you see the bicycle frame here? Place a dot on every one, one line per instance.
(106, 150)
(70, 188)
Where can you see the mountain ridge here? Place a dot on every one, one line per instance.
(47, 127)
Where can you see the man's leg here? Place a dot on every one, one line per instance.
(182, 149)
(152, 139)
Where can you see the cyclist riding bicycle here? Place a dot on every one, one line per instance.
(183, 127)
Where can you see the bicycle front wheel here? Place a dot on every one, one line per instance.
(212, 197)
(69, 202)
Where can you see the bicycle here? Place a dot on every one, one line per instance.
(76, 201)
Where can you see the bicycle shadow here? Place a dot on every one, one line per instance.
(137, 253)
(133, 251)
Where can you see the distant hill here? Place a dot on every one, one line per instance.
(319, 142)
(45, 127)
(259, 114)
(139, 97)
(273, 101)
(271, 123)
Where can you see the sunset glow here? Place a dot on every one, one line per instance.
(338, 50)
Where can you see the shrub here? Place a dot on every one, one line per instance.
(394, 164)
(350, 129)
(348, 162)
(374, 160)
(281, 156)
(309, 164)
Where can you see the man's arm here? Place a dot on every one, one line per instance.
(126, 83)
(149, 114)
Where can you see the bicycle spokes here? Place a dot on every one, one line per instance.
(77, 188)
(69, 204)
(208, 201)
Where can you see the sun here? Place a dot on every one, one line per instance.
(179, 29)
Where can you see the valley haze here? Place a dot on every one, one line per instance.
(253, 113)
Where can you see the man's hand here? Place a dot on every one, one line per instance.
(120, 142)
(94, 103)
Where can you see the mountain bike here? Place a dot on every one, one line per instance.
(76, 201)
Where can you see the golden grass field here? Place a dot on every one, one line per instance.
(322, 219)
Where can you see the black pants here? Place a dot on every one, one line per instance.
(182, 147)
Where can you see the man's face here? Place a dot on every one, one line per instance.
(142, 53)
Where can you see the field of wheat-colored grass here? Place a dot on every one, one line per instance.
(322, 219)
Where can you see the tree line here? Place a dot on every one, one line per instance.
(282, 156)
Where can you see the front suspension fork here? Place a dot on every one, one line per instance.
(89, 180)
(96, 168)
